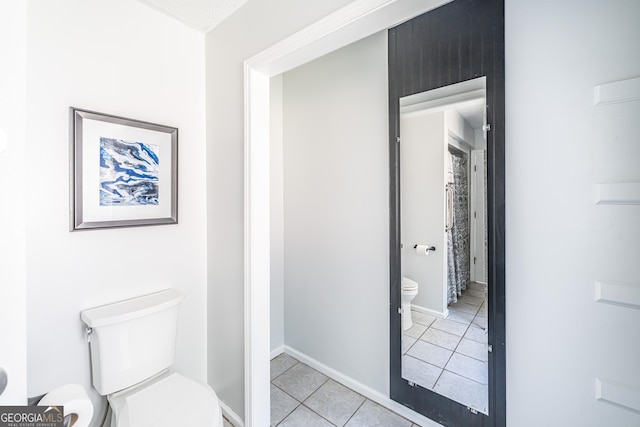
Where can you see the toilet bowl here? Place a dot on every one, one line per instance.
(132, 346)
(168, 399)
(409, 292)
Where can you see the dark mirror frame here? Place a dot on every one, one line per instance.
(456, 42)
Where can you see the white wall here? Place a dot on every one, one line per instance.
(336, 223)
(424, 138)
(460, 128)
(123, 58)
(558, 241)
(13, 272)
(257, 25)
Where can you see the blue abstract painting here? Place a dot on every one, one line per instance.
(128, 173)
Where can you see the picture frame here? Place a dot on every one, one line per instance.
(123, 172)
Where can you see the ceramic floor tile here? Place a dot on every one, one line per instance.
(407, 342)
(281, 405)
(463, 390)
(475, 293)
(468, 299)
(465, 308)
(480, 322)
(430, 353)
(334, 402)
(419, 372)
(460, 317)
(416, 330)
(476, 334)
(483, 310)
(477, 286)
(422, 318)
(441, 338)
(303, 416)
(469, 367)
(473, 349)
(450, 326)
(300, 381)
(371, 414)
(281, 363)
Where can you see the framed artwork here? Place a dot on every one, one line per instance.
(124, 172)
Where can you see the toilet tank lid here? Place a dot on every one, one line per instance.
(131, 309)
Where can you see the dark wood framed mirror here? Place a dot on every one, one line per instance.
(459, 45)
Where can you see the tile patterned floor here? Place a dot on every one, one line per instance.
(302, 396)
(449, 355)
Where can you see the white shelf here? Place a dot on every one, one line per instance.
(616, 92)
(618, 293)
(618, 194)
(618, 394)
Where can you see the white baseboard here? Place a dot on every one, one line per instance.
(364, 390)
(276, 352)
(230, 415)
(438, 314)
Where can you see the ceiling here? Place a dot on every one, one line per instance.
(472, 113)
(204, 15)
(201, 15)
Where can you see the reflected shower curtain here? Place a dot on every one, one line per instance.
(458, 245)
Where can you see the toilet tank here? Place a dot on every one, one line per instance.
(132, 340)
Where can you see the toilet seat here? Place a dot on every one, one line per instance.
(166, 400)
(409, 285)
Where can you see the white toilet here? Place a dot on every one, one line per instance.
(132, 346)
(409, 292)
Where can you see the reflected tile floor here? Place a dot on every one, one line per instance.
(304, 397)
(449, 355)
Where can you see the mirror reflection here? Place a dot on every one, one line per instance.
(444, 242)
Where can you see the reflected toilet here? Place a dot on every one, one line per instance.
(409, 292)
(132, 345)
